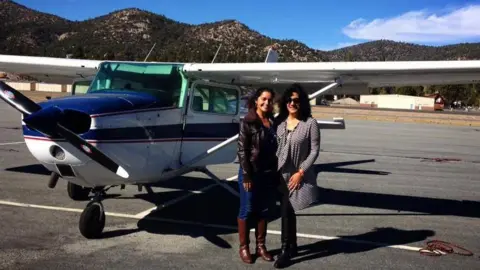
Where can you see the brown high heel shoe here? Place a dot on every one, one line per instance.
(261, 234)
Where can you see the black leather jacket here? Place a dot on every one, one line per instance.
(250, 141)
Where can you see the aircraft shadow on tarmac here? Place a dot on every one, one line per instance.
(417, 205)
(31, 169)
(218, 206)
(420, 205)
(335, 167)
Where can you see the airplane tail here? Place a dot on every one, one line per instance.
(272, 55)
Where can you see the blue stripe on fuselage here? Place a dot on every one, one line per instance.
(106, 102)
(164, 132)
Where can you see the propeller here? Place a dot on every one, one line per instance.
(53, 121)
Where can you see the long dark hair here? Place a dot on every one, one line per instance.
(305, 110)
(252, 108)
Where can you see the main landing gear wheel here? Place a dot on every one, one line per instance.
(77, 193)
(92, 220)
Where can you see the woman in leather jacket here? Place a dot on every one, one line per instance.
(257, 173)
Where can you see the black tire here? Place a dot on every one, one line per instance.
(92, 221)
(77, 193)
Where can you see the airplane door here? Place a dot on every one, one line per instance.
(212, 117)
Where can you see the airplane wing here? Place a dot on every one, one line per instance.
(49, 69)
(357, 76)
(63, 70)
(312, 74)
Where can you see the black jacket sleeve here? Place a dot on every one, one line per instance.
(244, 150)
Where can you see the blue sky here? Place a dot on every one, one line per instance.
(320, 24)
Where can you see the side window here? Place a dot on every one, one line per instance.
(80, 87)
(215, 99)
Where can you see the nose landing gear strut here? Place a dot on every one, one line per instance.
(92, 220)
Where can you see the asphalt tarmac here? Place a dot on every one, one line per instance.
(386, 189)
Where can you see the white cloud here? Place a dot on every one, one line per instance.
(420, 26)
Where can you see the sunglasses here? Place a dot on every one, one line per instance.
(295, 100)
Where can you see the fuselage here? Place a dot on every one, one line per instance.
(139, 130)
(126, 127)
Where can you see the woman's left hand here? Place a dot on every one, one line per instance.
(295, 181)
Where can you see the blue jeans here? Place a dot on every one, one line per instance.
(259, 198)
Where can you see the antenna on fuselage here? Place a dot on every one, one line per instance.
(149, 52)
(213, 60)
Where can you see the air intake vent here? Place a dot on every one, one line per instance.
(78, 122)
(65, 170)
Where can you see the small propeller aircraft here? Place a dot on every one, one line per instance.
(144, 122)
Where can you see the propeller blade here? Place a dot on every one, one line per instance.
(17, 99)
(91, 151)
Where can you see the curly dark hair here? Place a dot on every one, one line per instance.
(305, 110)
(251, 100)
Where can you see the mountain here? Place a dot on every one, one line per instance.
(129, 34)
(25, 31)
(386, 50)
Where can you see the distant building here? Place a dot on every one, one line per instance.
(439, 101)
(44, 87)
(347, 102)
(401, 102)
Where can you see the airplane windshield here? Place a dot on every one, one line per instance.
(161, 80)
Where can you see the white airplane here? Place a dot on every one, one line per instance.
(145, 122)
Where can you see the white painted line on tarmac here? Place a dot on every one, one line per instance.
(64, 209)
(11, 143)
(122, 215)
(171, 202)
(146, 212)
(322, 237)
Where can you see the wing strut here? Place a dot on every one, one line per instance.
(323, 90)
(337, 123)
(190, 165)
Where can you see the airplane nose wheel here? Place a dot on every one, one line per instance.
(92, 220)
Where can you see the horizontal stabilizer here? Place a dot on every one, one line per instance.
(337, 123)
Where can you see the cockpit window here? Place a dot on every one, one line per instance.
(163, 81)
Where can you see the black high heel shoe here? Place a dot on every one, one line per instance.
(284, 258)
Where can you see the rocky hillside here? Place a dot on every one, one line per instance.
(130, 33)
(24, 31)
(385, 50)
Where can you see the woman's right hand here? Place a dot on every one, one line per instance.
(247, 185)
